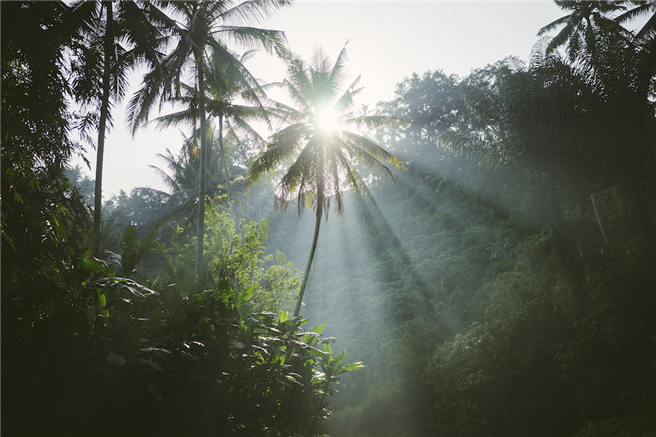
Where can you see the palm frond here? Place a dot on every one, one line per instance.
(468, 144)
(318, 162)
(338, 72)
(304, 169)
(370, 154)
(553, 25)
(345, 101)
(271, 41)
(285, 146)
(252, 10)
(353, 176)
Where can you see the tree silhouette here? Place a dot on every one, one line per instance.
(226, 84)
(200, 27)
(581, 27)
(127, 34)
(182, 180)
(642, 7)
(321, 153)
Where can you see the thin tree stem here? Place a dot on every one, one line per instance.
(102, 127)
(317, 225)
(223, 158)
(203, 167)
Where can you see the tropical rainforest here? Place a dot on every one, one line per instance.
(488, 269)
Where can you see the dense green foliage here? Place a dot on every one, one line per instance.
(504, 286)
(166, 362)
(318, 145)
(128, 341)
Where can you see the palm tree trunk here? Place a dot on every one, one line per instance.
(320, 196)
(309, 263)
(104, 109)
(223, 158)
(203, 167)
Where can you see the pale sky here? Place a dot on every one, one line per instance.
(389, 40)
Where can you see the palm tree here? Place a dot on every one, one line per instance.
(580, 28)
(182, 179)
(322, 154)
(571, 133)
(224, 86)
(622, 65)
(201, 26)
(110, 44)
(642, 7)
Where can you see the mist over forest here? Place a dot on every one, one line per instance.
(474, 257)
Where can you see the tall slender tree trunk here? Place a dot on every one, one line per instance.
(223, 158)
(299, 301)
(317, 225)
(203, 166)
(104, 110)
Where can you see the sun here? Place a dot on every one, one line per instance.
(327, 119)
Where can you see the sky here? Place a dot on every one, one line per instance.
(387, 41)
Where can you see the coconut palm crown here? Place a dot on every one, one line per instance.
(581, 28)
(203, 28)
(233, 98)
(318, 153)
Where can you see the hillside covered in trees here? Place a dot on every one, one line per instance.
(475, 257)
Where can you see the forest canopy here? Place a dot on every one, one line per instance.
(490, 269)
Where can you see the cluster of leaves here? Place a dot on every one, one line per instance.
(163, 360)
(212, 362)
(236, 256)
(567, 333)
(394, 282)
(534, 358)
(40, 209)
(503, 281)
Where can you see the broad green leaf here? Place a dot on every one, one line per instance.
(288, 355)
(338, 361)
(327, 348)
(294, 378)
(353, 366)
(102, 300)
(246, 295)
(91, 266)
(134, 291)
(318, 329)
(318, 378)
(317, 352)
(283, 316)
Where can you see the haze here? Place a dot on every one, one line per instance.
(388, 40)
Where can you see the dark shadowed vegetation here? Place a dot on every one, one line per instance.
(504, 285)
